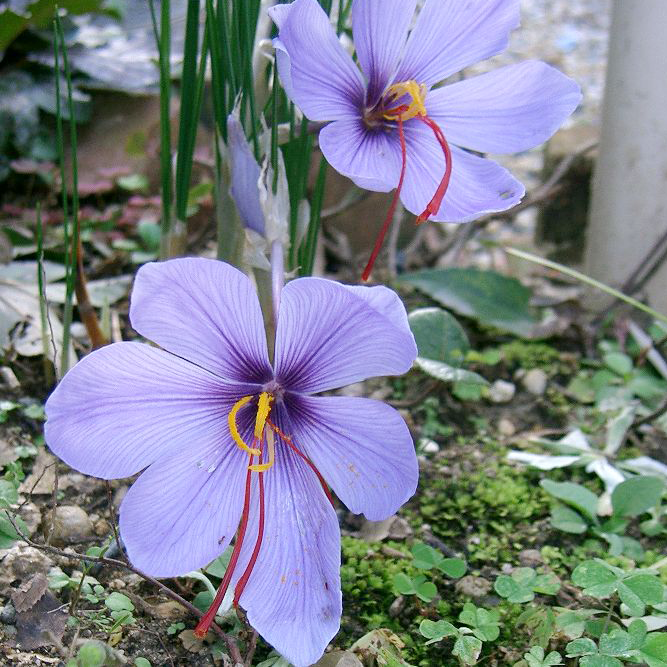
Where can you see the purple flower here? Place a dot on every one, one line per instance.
(391, 129)
(193, 413)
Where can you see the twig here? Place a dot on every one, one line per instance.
(112, 514)
(251, 649)
(411, 402)
(537, 196)
(234, 652)
(658, 412)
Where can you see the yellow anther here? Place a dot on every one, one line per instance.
(261, 467)
(263, 409)
(417, 105)
(236, 436)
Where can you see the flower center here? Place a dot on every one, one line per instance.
(402, 102)
(264, 433)
(416, 106)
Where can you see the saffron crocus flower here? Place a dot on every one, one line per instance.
(231, 445)
(392, 129)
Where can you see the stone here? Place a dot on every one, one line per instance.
(506, 427)
(7, 614)
(535, 381)
(530, 558)
(22, 562)
(71, 524)
(169, 610)
(339, 659)
(501, 392)
(400, 529)
(429, 446)
(474, 587)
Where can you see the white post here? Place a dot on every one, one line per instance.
(629, 202)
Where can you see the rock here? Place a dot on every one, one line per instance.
(506, 427)
(31, 515)
(21, 562)
(375, 531)
(474, 587)
(400, 529)
(70, 524)
(530, 558)
(170, 610)
(102, 527)
(7, 614)
(535, 381)
(501, 392)
(429, 446)
(397, 606)
(339, 659)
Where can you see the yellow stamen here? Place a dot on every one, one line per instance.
(236, 436)
(263, 409)
(261, 467)
(416, 107)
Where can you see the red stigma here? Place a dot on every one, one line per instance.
(434, 205)
(394, 202)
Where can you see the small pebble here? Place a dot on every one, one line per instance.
(71, 524)
(7, 614)
(474, 587)
(535, 381)
(506, 427)
(530, 558)
(501, 392)
(429, 446)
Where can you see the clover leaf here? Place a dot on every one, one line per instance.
(536, 658)
(635, 589)
(484, 623)
(425, 590)
(427, 558)
(524, 582)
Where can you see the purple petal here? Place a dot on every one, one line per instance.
(204, 311)
(126, 405)
(451, 34)
(329, 335)
(372, 159)
(183, 511)
(245, 176)
(323, 80)
(507, 110)
(362, 448)
(380, 29)
(477, 186)
(293, 596)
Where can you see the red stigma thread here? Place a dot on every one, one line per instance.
(392, 209)
(206, 620)
(434, 205)
(241, 583)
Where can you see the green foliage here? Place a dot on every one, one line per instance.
(425, 590)
(442, 345)
(630, 498)
(524, 582)
(483, 623)
(536, 658)
(466, 647)
(427, 558)
(490, 297)
(636, 589)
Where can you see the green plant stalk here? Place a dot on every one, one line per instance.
(163, 43)
(582, 277)
(309, 249)
(70, 225)
(43, 312)
(190, 106)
